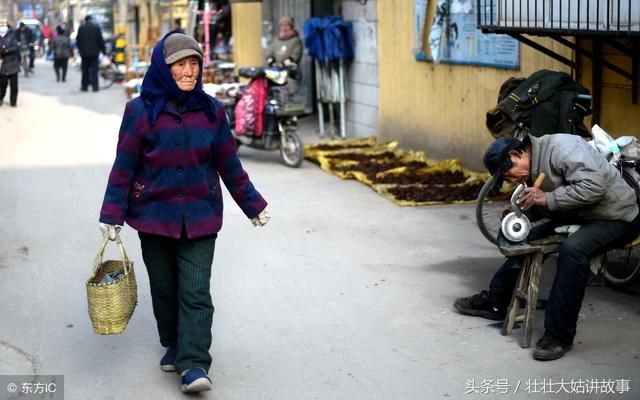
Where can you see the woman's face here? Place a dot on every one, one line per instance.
(185, 72)
(285, 28)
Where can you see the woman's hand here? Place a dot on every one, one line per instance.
(261, 219)
(531, 196)
(111, 230)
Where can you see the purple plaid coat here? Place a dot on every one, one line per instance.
(167, 175)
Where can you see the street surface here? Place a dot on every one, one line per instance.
(343, 295)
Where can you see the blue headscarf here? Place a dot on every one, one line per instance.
(158, 87)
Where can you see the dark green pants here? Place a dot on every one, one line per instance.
(179, 276)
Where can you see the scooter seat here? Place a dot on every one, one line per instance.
(250, 72)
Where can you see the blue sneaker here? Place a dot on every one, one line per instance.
(195, 380)
(168, 362)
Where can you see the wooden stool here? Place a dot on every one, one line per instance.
(527, 286)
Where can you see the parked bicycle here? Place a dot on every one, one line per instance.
(108, 73)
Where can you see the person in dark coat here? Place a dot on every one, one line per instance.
(174, 146)
(90, 44)
(9, 63)
(26, 39)
(61, 48)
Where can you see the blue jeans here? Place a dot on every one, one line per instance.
(565, 299)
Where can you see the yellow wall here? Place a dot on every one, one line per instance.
(618, 116)
(246, 23)
(441, 108)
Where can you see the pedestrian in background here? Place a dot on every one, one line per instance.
(286, 49)
(61, 47)
(90, 44)
(26, 39)
(174, 146)
(9, 63)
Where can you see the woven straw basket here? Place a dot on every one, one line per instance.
(111, 304)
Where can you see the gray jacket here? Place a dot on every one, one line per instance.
(579, 180)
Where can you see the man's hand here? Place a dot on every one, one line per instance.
(261, 219)
(111, 230)
(270, 61)
(531, 196)
(286, 62)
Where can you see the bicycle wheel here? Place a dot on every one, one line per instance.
(107, 76)
(621, 267)
(488, 212)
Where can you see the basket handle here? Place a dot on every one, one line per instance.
(103, 246)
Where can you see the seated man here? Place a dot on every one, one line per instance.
(580, 188)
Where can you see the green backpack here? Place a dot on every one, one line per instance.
(546, 102)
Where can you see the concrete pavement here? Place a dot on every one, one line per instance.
(343, 295)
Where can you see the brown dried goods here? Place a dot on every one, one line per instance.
(411, 177)
(325, 147)
(371, 168)
(362, 157)
(436, 193)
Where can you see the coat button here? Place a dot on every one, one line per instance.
(178, 120)
(180, 169)
(181, 194)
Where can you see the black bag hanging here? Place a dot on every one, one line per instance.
(545, 103)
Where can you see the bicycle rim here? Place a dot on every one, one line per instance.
(488, 212)
(622, 266)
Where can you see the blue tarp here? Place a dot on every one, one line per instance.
(329, 38)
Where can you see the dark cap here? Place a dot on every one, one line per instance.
(497, 160)
(178, 46)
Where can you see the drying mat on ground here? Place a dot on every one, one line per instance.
(336, 147)
(426, 195)
(405, 177)
(367, 166)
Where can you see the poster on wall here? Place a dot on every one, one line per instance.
(455, 39)
(420, 18)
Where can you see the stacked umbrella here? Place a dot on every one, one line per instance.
(329, 41)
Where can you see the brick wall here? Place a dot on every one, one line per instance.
(362, 77)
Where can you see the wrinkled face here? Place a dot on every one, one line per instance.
(285, 27)
(520, 167)
(185, 72)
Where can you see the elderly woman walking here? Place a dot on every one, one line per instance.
(174, 145)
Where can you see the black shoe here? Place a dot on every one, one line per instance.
(1, 101)
(14, 105)
(480, 306)
(549, 348)
(84, 90)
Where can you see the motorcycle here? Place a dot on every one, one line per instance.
(280, 115)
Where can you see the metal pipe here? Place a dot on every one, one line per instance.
(319, 97)
(343, 100)
(596, 77)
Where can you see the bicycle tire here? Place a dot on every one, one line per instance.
(621, 267)
(107, 76)
(488, 213)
